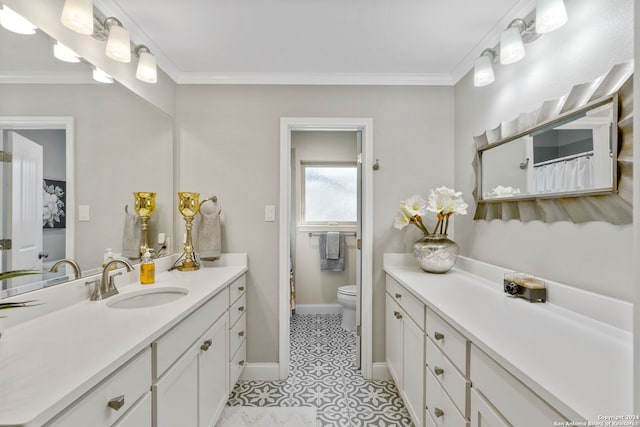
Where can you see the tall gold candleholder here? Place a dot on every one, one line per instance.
(188, 205)
(145, 206)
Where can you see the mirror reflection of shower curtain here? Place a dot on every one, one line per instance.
(569, 175)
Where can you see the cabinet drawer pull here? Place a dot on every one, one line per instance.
(438, 412)
(241, 363)
(241, 288)
(438, 336)
(206, 345)
(398, 296)
(241, 308)
(397, 314)
(241, 333)
(438, 371)
(116, 403)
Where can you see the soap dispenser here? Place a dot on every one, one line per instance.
(147, 269)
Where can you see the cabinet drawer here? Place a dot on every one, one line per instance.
(483, 414)
(410, 304)
(171, 345)
(456, 385)
(124, 386)
(439, 406)
(237, 365)
(237, 309)
(237, 335)
(516, 402)
(237, 288)
(452, 343)
(139, 415)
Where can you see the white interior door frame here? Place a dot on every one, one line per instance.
(67, 124)
(365, 125)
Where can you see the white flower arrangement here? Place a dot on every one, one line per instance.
(443, 201)
(53, 206)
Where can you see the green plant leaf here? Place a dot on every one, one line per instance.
(17, 273)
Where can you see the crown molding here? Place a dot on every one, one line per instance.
(389, 79)
(34, 77)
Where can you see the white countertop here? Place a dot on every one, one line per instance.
(48, 362)
(580, 366)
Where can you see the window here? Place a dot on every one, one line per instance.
(329, 193)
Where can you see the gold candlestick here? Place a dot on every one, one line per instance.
(188, 206)
(145, 205)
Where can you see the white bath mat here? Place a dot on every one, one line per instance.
(253, 416)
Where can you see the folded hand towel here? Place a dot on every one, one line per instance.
(131, 235)
(333, 245)
(207, 237)
(331, 264)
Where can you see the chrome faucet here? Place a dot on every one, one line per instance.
(107, 285)
(72, 263)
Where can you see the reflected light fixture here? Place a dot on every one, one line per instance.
(483, 68)
(78, 16)
(118, 42)
(15, 23)
(550, 15)
(511, 45)
(101, 76)
(63, 53)
(147, 70)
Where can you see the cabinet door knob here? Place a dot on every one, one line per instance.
(397, 314)
(438, 371)
(398, 296)
(438, 336)
(116, 403)
(206, 345)
(241, 363)
(241, 288)
(438, 412)
(240, 308)
(241, 333)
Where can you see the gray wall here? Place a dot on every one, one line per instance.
(229, 140)
(636, 220)
(595, 256)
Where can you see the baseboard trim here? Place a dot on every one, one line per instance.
(260, 371)
(318, 308)
(380, 372)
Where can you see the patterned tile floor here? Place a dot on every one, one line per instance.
(323, 374)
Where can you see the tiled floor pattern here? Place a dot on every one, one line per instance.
(323, 374)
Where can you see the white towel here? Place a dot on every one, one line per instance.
(131, 235)
(207, 236)
(333, 245)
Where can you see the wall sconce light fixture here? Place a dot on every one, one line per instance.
(147, 70)
(118, 42)
(101, 77)
(550, 15)
(511, 45)
(13, 22)
(483, 68)
(64, 53)
(78, 16)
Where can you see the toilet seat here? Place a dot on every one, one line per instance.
(349, 290)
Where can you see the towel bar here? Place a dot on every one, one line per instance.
(344, 233)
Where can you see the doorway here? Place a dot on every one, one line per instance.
(363, 128)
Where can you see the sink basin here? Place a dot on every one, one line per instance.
(147, 297)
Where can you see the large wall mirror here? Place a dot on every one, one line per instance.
(568, 160)
(76, 145)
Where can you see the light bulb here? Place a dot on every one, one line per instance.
(15, 23)
(511, 47)
(101, 76)
(118, 43)
(63, 53)
(550, 15)
(78, 16)
(147, 71)
(483, 70)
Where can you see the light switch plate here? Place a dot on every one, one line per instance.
(84, 213)
(269, 213)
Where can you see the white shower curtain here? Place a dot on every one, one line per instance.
(568, 175)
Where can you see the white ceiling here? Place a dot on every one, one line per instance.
(316, 41)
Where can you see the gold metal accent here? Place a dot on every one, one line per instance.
(116, 403)
(438, 336)
(189, 206)
(438, 371)
(5, 244)
(358, 330)
(145, 206)
(5, 156)
(397, 314)
(359, 244)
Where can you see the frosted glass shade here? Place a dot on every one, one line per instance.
(63, 53)
(483, 71)
(147, 71)
(511, 47)
(118, 44)
(101, 76)
(15, 23)
(550, 15)
(78, 15)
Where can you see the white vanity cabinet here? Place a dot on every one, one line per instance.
(237, 329)
(405, 346)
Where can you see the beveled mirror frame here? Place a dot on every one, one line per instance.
(615, 207)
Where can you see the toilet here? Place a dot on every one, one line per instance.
(347, 299)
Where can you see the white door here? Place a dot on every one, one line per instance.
(359, 250)
(26, 203)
